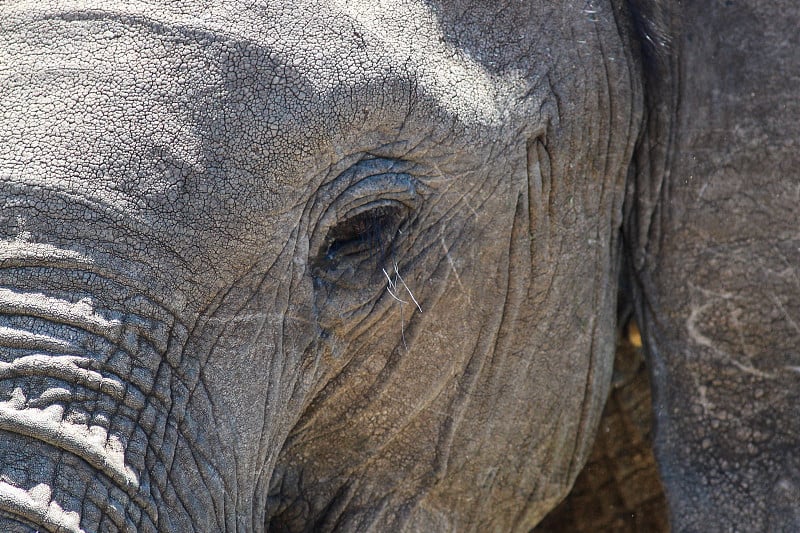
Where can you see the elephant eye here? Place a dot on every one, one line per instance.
(367, 223)
(364, 240)
(359, 234)
(367, 232)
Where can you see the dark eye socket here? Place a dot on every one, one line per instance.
(367, 234)
(358, 235)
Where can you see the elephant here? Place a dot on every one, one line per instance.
(337, 265)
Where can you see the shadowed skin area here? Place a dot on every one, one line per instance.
(712, 243)
(196, 329)
(711, 223)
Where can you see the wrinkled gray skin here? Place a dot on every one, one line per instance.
(353, 266)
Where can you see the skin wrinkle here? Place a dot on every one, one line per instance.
(168, 443)
(37, 366)
(580, 439)
(547, 455)
(200, 467)
(176, 496)
(354, 362)
(506, 317)
(125, 393)
(293, 387)
(78, 453)
(120, 279)
(34, 516)
(279, 314)
(190, 448)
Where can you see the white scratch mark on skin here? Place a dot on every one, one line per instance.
(691, 322)
(700, 339)
(472, 209)
(707, 292)
(694, 333)
(786, 315)
(707, 406)
(751, 370)
(453, 266)
(702, 190)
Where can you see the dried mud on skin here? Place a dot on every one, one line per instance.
(619, 489)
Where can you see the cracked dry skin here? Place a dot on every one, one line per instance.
(352, 265)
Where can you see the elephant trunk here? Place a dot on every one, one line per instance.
(90, 384)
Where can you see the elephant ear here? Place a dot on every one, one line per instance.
(712, 237)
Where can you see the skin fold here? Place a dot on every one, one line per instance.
(619, 489)
(332, 265)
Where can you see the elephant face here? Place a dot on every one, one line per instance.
(309, 267)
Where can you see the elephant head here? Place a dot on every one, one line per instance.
(306, 267)
(338, 265)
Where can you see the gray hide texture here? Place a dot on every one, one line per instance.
(343, 265)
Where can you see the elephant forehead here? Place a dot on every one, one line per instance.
(240, 91)
(330, 45)
(78, 101)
